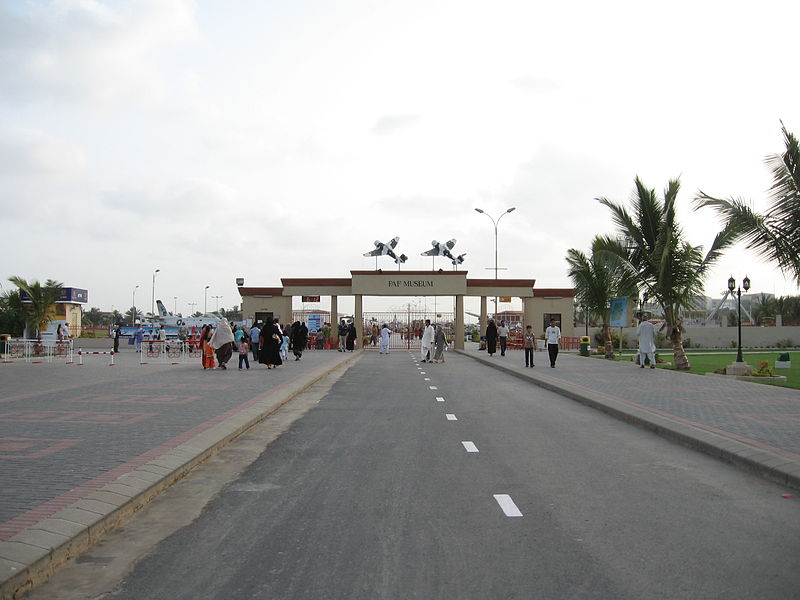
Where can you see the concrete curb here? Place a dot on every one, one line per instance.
(33, 555)
(780, 469)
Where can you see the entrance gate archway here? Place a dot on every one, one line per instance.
(278, 300)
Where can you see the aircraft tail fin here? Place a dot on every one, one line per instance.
(162, 311)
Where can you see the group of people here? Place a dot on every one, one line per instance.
(269, 344)
(347, 336)
(434, 343)
(552, 336)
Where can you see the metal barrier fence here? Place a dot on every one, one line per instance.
(35, 351)
(168, 351)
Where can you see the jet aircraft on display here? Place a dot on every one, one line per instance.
(169, 320)
(387, 249)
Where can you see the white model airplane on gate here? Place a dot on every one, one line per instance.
(441, 249)
(387, 249)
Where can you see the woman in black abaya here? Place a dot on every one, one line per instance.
(299, 339)
(491, 338)
(270, 338)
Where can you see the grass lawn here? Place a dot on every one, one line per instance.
(707, 361)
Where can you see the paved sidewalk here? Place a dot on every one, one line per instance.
(83, 447)
(751, 425)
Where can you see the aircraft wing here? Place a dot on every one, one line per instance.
(376, 252)
(451, 244)
(393, 242)
(432, 252)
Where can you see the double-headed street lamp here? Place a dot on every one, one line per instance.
(732, 287)
(495, 222)
(217, 299)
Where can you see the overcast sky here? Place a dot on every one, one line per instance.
(263, 139)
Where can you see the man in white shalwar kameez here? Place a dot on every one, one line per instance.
(427, 341)
(647, 343)
(385, 334)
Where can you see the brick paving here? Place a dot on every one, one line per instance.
(763, 416)
(68, 430)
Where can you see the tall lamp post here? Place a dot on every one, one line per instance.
(495, 222)
(732, 287)
(205, 301)
(153, 300)
(217, 299)
(133, 308)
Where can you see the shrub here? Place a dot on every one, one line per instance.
(786, 343)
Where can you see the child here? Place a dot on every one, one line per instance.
(285, 347)
(530, 344)
(244, 349)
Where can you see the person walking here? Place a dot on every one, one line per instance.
(223, 343)
(270, 343)
(299, 339)
(206, 351)
(386, 334)
(647, 343)
(502, 335)
(427, 341)
(342, 336)
(491, 337)
(138, 337)
(244, 349)
(117, 334)
(529, 342)
(350, 342)
(552, 334)
(255, 332)
(440, 345)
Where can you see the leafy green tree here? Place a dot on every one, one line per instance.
(12, 313)
(92, 317)
(774, 235)
(598, 278)
(658, 256)
(129, 315)
(41, 308)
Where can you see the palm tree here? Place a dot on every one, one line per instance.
(597, 279)
(12, 312)
(40, 308)
(776, 234)
(657, 255)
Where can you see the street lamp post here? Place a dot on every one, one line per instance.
(217, 299)
(732, 287)
(191, 307)
(153, 300)
(176, 304)
(495, 223)
(133, 307)
(205, 301)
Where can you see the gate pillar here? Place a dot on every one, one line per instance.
(359, 317)
(484, 316)
(334, 334)
(458, 342)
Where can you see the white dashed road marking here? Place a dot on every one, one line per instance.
(507, 504)
(433, 387)
(470, 447)
(451, 417)
(439, 399)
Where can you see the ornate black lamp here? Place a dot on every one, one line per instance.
(732, 287)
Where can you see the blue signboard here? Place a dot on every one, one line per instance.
(314, 323)
(619, 312)
(68, 294)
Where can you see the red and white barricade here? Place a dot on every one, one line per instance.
(81, 354)
(35, 351)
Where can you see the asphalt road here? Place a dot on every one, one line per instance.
(376, 493)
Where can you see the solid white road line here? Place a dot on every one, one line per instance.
(507, 504)
(451, 417)
(470, 447)
(439, 399)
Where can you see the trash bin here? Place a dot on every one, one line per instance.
(584, 345)
(4, 337)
